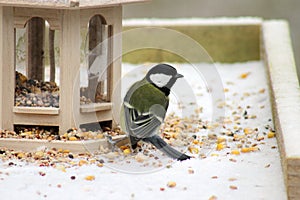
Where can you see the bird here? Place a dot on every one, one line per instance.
(145, 106)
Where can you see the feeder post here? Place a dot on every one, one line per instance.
(115, 62)
(35, 48)
(52, 54)
(7, 70)
(69, 102)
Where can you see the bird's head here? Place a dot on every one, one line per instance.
(163, 76)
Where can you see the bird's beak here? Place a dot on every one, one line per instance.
(178, 76)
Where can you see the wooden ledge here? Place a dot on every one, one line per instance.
(36, 110)
(82, 146)
(95, 107)
(29, 145)
(66, 4)
(285, 96)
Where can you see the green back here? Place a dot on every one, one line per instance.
(145, 95)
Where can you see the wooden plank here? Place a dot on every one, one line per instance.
(92, 117)
(94, 107)
(115, 60)
(69, 70)
(7, 69)
(107, 13)
(34, 3)
(97, 3)
(29, 145)
(36, 110)
(22, 15)
(70, 4)
(36, 119)
(285, 96)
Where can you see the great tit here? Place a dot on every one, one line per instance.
(145, 106)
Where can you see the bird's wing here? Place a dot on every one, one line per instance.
(142, 125)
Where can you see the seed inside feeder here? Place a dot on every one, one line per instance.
(34, 93)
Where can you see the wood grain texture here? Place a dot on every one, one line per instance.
(29, 145)
(7, 70)
(69, 102)
(36, 110)
(94, 107)
(285, 96)
(66, 4)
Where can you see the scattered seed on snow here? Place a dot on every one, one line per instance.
(171, 184)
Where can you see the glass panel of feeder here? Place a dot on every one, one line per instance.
(100, 67)
(93, 77)
(83, 67)
(36, 58)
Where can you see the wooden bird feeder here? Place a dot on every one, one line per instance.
(77, 24)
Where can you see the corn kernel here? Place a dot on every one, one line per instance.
(126, 151)
(235, 152)
(38, 154)
(262, 90)
(92, 161)
(123, 147)
(100, 164)
(82, 162)
(28, 133)
(193, 150)
(21, 155)
(213, 197)
(90, 178)
(248, 131)
(271, 134)
(66, 151)
(254, 148)
(245, 150)
(195, 141)
(244, 75)
(175, 134)
(220, 147)
(171, 184)
(72, 138)
(248, 149)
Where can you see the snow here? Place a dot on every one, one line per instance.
(255, 175)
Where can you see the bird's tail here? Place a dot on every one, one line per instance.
(160, 144)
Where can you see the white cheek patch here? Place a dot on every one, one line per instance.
(160, 80)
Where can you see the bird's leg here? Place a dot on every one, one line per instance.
(134, 143)
(110, 142)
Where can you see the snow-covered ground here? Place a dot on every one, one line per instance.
(237, 93)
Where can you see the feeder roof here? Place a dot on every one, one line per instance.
(65, 4)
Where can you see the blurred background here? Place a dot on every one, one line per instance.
(266, 9)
